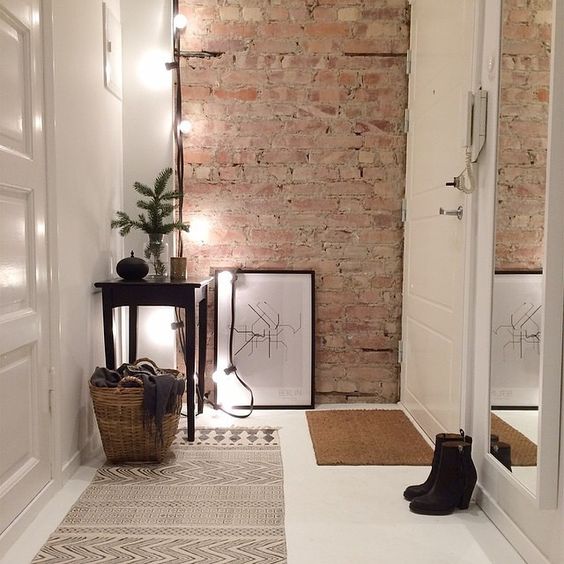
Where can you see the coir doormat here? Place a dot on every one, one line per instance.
(359, 437)
(523, 450)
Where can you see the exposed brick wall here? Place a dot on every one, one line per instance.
(296, 160)
(523, 133)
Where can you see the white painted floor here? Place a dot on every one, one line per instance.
(334, 515)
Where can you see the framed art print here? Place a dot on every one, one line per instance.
(266, 318)
(112, 52)
(516, 339)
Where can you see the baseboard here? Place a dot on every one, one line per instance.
(90, 451)
(520, 542)
(26, 517)
(70, 467)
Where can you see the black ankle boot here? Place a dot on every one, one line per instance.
(412, 492)
(455, 481)
(502, 451)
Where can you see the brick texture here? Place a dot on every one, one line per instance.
(523, 134)
(297, 161)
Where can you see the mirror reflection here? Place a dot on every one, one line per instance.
(520, 201)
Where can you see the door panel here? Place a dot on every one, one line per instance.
(435, 245)
(15, 116)
(15, 213)
(17, 403)
(25, 466)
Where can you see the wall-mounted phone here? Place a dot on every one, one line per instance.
(476, 128)
(477, 122)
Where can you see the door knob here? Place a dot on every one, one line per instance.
(458, 212)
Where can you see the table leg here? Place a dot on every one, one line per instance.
(107, 313)
(202, 345)
(189, 359)
(132, 334)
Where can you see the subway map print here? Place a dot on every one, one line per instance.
(516, 339)
(521, 332)
(272, 342)
(266, 332)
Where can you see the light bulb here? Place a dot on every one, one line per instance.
(199, 230)
(180, 21)
(225, 277)
(185, 126)
(226, 404)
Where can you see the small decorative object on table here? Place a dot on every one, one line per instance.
(132, 268)
(178, 268)
(159, 205)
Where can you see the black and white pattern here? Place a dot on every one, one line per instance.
(217, 500)
(236, 436)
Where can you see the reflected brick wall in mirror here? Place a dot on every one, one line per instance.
(523, 122)
(297, 160)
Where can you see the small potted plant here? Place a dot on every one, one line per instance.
(159, 205)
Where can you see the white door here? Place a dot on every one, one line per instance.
(24, 364)
(442, 36)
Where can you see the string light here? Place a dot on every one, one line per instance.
(199, 230)
(180, 21)
(185, 126)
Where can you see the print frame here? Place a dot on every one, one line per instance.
(516, 339)
(273, 339)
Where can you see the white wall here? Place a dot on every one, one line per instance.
(100, 146)
(147, 139)
(86, 170)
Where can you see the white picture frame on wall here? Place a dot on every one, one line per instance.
(273, 340)
(112, 52)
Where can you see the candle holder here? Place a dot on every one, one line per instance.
(178, 268)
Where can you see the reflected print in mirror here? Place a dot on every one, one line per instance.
(519, 225)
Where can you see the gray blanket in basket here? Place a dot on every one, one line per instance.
(160, 389)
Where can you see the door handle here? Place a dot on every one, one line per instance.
(458, 212)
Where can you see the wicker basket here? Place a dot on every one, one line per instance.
(119, 414)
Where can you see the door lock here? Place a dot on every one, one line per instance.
(458, 212)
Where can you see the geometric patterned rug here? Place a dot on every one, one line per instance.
(217, 500)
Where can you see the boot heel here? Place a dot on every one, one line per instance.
(465, 499)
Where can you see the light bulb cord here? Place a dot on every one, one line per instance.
(231, 369)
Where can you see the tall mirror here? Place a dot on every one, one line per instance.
(519, 227)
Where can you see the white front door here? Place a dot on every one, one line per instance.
(442, 36)
(25, 466)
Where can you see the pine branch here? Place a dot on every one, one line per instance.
(166, 210)
(144, 205)
(162, 180)
(159, 205)
(143, 189)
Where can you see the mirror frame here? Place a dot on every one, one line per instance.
(550, 376)
(493, 476)
(553, 280)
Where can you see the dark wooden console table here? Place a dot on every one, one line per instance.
(191, 294)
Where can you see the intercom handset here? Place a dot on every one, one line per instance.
(475, 140)
(478, 113)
